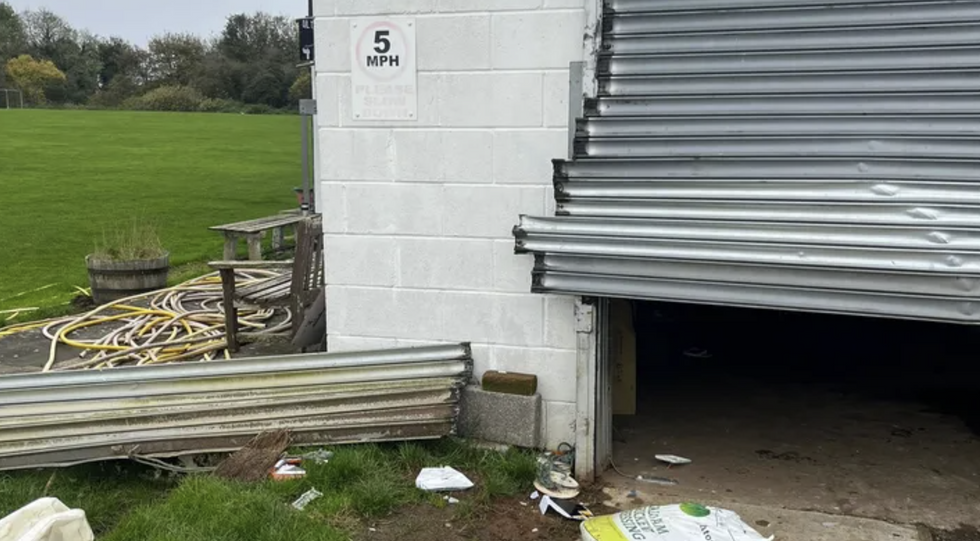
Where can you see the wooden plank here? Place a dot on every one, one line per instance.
(231, 313)
(231, 247)
(259, 224)
(254, 247)
(255, 289)
(277, 238)
(245, 265)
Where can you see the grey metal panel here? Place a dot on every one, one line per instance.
(783, 254)
(829, 82)
(925, 237)
(773, 189)
(790, 212)
(800, 154)
(707, 271)
(950, 310)
(795, 61)
(797, 125)
(805, 16)
(918, 103)
(795, 145)
(795, 40)
(64, 418)
(756, 168)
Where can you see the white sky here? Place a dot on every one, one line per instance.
(138, 20)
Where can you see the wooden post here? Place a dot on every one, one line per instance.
(277, 236)
(231, 313)
(231, 246)
(254, 247)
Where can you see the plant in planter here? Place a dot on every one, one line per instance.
(128, 261)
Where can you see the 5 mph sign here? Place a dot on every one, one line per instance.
(383, 74)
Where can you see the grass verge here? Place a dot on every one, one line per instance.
(125, 502)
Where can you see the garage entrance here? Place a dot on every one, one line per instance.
(850, 416)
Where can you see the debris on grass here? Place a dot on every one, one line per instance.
(319, 456)
(569, 509)
(684, 522)
(46, 519)
(444, 479)
(253, 462)
(306, 498)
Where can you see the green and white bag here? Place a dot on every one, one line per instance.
(684, 522)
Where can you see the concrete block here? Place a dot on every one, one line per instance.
(500, 418)
(446, 264)
(559, 321)
(556, 101)
(537, 40)
(333, 205)
(517, 320)
(468, 316)
(488, 211)
(340, 343)
(467, 156)
(489, 99)
(454, 42)
(559, 424)
(365, 154)
(487, 5)
(363, 261)
(555, 369)
(463, 156)
(564, 4)
(379, 7)
(328, 97)
(428, 113)
(386, 312)
(511, 272)
(395, 208)
(524, 156)
(332, 39)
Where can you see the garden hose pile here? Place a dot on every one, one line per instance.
(181, 323)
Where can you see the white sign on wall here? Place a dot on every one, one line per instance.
(383, 74)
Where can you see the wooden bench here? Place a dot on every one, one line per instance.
(296, 289)
(253, 231)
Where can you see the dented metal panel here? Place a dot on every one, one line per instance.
(798, 154)
(63, 418)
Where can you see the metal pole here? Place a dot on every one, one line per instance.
(306, 163)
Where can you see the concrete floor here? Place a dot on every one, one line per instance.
(777, 450)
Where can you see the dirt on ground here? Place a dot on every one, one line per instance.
(965, 533)
(504, 520)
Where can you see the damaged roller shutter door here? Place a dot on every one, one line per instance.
(795, 154)
(64, 418)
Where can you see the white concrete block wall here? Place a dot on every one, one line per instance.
(418, 214)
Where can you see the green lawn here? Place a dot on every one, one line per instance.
(127, 502)
(67, 176)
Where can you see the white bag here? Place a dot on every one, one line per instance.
(46, 519)
(444, 479)
(684, 522)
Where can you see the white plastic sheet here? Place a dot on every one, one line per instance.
(46, 519)
(444, 479)
(684, 522)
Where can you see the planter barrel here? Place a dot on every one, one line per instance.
(114, 280)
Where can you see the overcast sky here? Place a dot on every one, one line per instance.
(138, 20)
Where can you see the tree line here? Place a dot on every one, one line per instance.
(249, 67)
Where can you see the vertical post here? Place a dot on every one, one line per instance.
(231, 313)
(576, 100)
(306, 163)
(585, 392)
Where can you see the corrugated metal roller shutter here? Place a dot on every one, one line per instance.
(797, 154)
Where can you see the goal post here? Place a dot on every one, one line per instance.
(12, 97)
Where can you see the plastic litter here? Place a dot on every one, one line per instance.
(319, 456)
(444, 479)
(287, 468)
(46, 519)
(673, 460)
(566, 508)
(306, 498)
(664, 481)
(450, 500)
(684, 522)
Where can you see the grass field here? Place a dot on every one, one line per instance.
(66, 177)
(127, 502)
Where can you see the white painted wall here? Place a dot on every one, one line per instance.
(418, 215)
